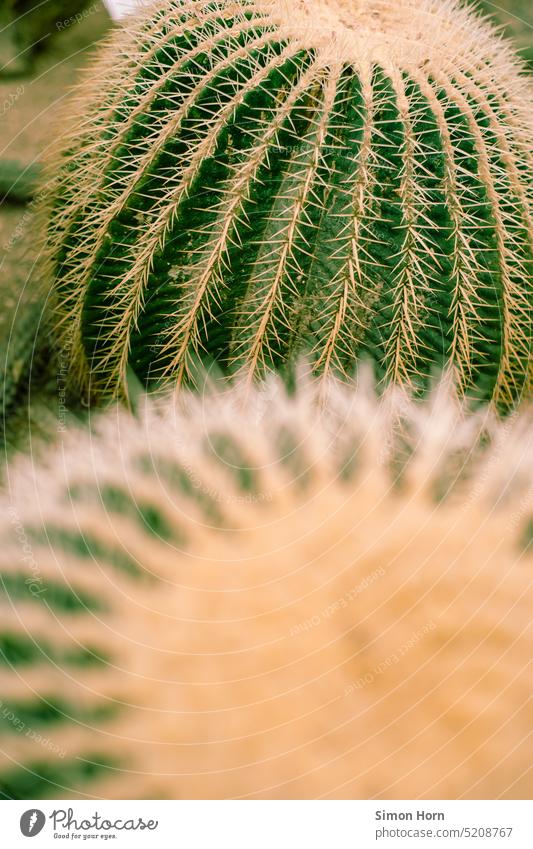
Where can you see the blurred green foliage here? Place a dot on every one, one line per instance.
(515, 18)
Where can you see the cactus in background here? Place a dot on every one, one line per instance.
(296, 601)
(246, 181)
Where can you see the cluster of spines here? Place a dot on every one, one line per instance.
(171, 591)
(242, 196)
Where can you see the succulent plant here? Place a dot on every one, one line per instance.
(25, 358)
(301, 600)
(515, 19)
(17, 181)
(244, 181)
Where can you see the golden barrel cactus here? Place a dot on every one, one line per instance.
(295, 602)
(244, 181)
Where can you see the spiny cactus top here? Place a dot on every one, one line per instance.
(280, 604)
(247, 180)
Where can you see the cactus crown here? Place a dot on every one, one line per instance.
(247, 180)
(285, 603)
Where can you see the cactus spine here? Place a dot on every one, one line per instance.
(293, 602)
(28, 26)
(247, 181)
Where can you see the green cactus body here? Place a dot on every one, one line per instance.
(300, 601)
(249, 181)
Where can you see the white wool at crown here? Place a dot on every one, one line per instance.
(120, 8)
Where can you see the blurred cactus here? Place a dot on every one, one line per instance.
(248, 180)
(268, 596)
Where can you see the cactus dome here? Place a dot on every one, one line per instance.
(244, 182)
